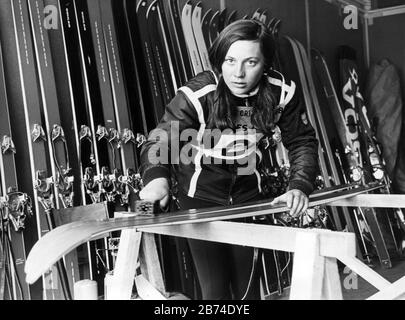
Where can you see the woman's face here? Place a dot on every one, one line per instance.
(243, 66)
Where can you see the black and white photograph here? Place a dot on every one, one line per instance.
(197, 157)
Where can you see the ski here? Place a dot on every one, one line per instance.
(4, 286)
(72, 91)
(205, 26)
(192, 48)
(131, 74)
(14, 207)
(62, 179)
(296, 72)
(323, 133)
(161, 54)
(231, 18)
(372, 160)
(127, 144)
(67, 237)
(64, 90)
(156, 98)
(100, 156)
(176, 16)
(348, 79)
(213, 27)
(222, 19)
(169, 29)
(107, 132)
(131, 36)
(257, 14)
(263, 17)
(196, 24)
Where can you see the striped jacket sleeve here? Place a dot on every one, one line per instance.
(300, 139)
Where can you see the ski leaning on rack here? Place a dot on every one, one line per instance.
(161, 53)
(61, 175)
(345, 117)
(186, 22)
(344, 157)
(196, 24)
(14, 209)
(156, 107)
(373, 164)
(15, 97)
(300, 75)
(67, 237)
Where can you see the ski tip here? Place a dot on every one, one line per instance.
(207, 14)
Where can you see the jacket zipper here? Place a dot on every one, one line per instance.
(230, 199)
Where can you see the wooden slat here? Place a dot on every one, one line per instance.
(394, 291)
(260, 236)
(372, 200)
(146, 290)
(119, 286)
(332, 288)
(150, 264)
(308, 268)
(365, 272)
(148, 257)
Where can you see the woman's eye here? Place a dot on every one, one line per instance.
(252, 62)
(230, 60)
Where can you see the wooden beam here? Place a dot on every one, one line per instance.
(365, 272)
(332, 288)
(308, 268)
(119, 286)
(146, 290)
(150, 264)
(372, 200)
(260, 236)
(394, 291)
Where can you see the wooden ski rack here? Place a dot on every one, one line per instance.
(315, 273)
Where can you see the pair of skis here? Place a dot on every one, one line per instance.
(15, 208)
(213, 22)
(191, 19)
(373, 225)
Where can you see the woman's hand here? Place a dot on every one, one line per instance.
(296, 201)
(156, 190)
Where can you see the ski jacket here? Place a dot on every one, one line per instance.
(225, 170)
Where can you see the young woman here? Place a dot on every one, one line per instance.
(211, 139)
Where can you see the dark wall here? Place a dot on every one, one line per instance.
(328, 32)
(291, 12)
(387, 40)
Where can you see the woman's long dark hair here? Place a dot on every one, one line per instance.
(223, 114)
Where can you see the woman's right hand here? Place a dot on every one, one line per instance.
(156, 190)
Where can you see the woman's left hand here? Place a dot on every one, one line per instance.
(296, 201)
